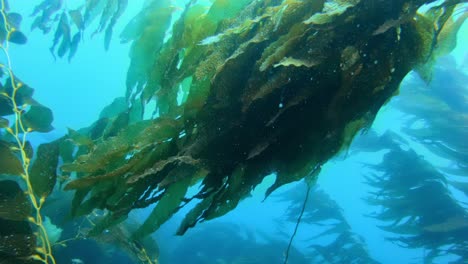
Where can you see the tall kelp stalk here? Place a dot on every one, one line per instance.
(439, 117)
(416, 206)
(23, 234)
(323, 218)
(241, 89)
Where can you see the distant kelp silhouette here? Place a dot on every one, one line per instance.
(241, 89)
(417, 207)
(239, 245)
(327, 219)
(439, 117)
(69, 24)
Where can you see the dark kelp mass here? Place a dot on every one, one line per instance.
(241, 89)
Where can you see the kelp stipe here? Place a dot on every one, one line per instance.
(16, 100)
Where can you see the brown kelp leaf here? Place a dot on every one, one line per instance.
(14, 204)
(14, 19)
(74, 45)
(38, 118)
(63, 34)
(9, 161)
(192, 217)
(17, 37)
(43, 175)
(3, 122)
(168, 204)
(449, 225)
(79, 139)
(77, 18)
(6, 107)
(23, 95)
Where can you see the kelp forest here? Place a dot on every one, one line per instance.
(226, 100)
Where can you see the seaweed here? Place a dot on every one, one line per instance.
(23, 234)
(417, 208)
(437, 118)
(271, 88)
(325, 214)
(70, 24)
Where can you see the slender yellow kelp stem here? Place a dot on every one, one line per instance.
(19, 133)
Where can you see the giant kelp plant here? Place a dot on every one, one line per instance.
(438, 117)
(23, 234)
(237, 90)
(417, 207)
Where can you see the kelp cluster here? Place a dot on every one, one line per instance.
(417, 207)
(238, 90)
(23, 234)
(325, 219)
(69, 23)
(438, 118)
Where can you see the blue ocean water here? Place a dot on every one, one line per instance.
(339, 216)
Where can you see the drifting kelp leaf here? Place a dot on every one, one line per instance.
(14, 204)
(62, 35)
(17, 37)
(147, 39)
(289, 61)
(6, 107)
(14, 19)
(447, 38)
(114, 150)
(225, 9)
(43, 175)
(195, 215)
(9, 161)
(119, 105)
(74, 45)
(38, 118)
(23, 95)
(48, 9)
(77, 18)
(446, 28)
(79, 139)
(120, 9)
(331, 11)
(168, 204)
(108, 221)
(3, 122)
(456, 223)
(90, 181)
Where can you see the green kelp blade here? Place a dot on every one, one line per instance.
(38, 118)
(195, 215)
(6, 107)
(43, 175)
(169, 203)
(9, 162)
(14, 204)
